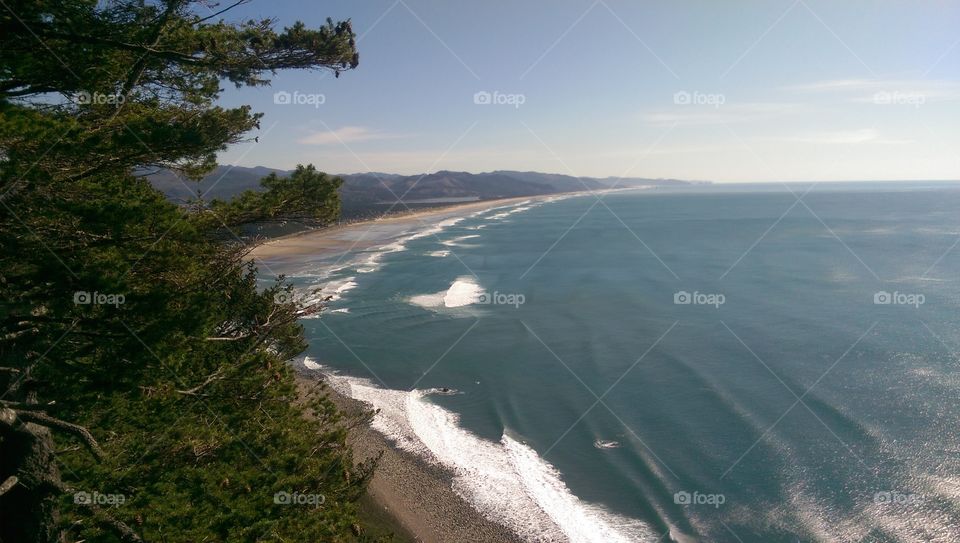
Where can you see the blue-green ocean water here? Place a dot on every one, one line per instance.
(801, 408)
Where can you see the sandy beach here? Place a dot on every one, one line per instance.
(283, 252)
(416, 497)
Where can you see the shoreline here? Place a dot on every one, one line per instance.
(407, 494)
(415, 497)
(287, 250)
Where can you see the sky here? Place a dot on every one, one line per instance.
(739, 91)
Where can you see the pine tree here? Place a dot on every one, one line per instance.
(139, 360)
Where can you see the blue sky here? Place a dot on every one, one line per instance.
(739, 91)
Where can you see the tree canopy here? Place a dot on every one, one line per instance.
(145, 393)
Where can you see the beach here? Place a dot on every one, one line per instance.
(289, 250)
(415, 497)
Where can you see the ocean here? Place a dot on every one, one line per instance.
(745, 363)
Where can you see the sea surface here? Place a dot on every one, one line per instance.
(752, 363)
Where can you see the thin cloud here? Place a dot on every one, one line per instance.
(346, 134)
(880, 91)
(722, 114)
(833, 85)
(849, 137)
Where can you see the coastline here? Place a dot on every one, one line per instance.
(415, 498)
(368, 234)
(408, 495)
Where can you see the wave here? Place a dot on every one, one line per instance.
(319, 270)
(516, 208)
(372, 263)
(507, 481)
(435, 229)
(511, 212)
(458, 241)
(347, 284)
(462, 292)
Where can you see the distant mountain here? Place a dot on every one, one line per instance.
(446, 184)
(370, 193)
(223, 183)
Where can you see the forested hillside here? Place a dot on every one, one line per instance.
(145, 393)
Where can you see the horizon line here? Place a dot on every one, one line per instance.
(692, 181)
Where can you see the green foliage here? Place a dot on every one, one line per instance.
(184, 385)
(306, 196)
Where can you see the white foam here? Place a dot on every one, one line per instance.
(518, 208)
(372, 263)
(436, 229)
(428, 300)
(311, 271)
(439, 254)
(310, 363)
(458, 241)
(508, 482)
(331, 291)
(462, 292)
(348, 284)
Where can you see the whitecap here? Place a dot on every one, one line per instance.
(458, 241)
(519, 208)
(372, 263)
(462, 292)
(507, 481)
(435, 229)
(428, 300)
(339, 289)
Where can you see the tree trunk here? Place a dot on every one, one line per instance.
(29, 511)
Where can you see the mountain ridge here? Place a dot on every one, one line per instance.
(370, 188)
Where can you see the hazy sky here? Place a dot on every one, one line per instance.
(711, 90)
